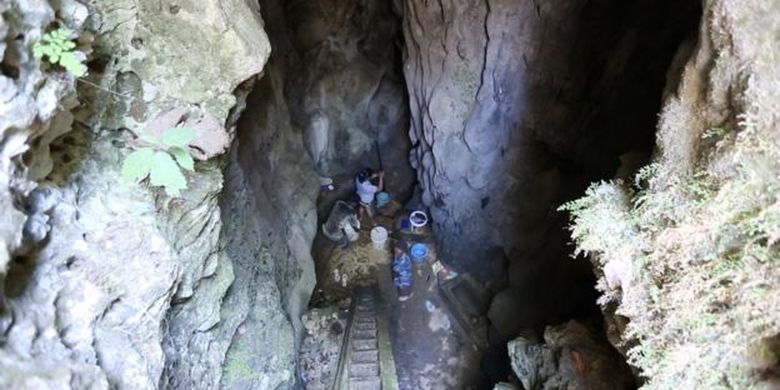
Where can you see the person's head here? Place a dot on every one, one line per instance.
(365, 174)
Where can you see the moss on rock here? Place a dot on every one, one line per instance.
(689, 254)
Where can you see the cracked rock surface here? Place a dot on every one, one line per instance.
(513, 104)
(108, 284)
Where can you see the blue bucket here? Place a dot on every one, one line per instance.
(382, 199)
(419, 252)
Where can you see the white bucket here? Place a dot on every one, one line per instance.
(379, 237)
(418, 219)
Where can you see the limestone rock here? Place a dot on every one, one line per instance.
(271, 221)
(571, 357)
(348, 94)
(33, 111)
(114, 285)
(190, 55)
(501, 92)
(717, 131)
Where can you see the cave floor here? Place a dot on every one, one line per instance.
(430, 350)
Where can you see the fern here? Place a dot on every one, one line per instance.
(162, 161)
(57, 47)
(715, 132)
(646, 173)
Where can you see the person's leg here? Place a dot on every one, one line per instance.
(367, 209)
(370, 212)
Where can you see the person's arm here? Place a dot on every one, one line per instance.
(381, 180)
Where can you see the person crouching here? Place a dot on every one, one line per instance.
(367, 184)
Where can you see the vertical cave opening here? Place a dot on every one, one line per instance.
(486, 117)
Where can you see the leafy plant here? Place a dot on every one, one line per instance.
(58, 48)
(715, 132)
(162, 160)
(646, 173)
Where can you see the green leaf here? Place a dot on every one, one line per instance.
(138, 164)
(59, 34)
(166, 173)
(38, 50)
(69, 61)
(183, 158)
(58, 48)
(178, 136)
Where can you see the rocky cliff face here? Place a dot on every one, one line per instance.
(687, 252)
(514, 105)
(111, 284)
(271, 219)
(507, 97)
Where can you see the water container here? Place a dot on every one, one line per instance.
(419, 252)
(379, 237)
(418, 219)
(382, 199)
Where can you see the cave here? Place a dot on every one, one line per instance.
(489, 118)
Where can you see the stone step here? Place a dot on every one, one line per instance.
(363, 370)
(363, 319)
(365, 325)
(366, 384)
(316, 386)
(364, 345)
(370, 356)
(362, 334)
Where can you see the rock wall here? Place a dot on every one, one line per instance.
(513, 105)
(687, 252)
(348, 91)
(571, 356)
(35, 109)
(270, 209)
(108, 284)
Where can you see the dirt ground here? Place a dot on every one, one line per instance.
(429, 350)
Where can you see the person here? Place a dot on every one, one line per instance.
(402, 271)
(342, 225)
(367, 184)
